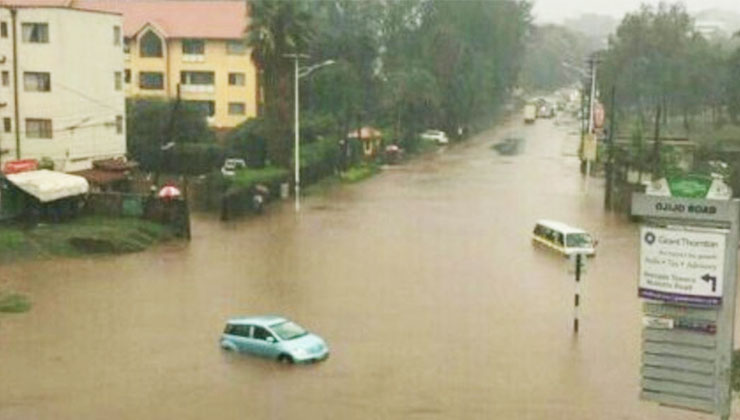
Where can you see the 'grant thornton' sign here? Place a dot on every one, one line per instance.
(682, 266)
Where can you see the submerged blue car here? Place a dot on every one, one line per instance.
(273, 337)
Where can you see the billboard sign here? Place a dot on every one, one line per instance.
(682, 266)
(599, 115)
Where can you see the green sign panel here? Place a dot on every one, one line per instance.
(689, 186)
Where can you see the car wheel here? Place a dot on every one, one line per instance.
(286, 359)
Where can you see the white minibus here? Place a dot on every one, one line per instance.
(564, 239)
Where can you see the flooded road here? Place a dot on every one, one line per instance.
(423, 281)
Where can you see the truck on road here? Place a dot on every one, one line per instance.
(530, 113)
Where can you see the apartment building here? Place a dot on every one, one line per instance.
(61, 84)
(196, 47)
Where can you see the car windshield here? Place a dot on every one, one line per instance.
(289, 330)
(578, 240)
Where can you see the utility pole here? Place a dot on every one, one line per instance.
(169, 135)
(592, 98)
(656, 144)
(16, 106)
(610, 152)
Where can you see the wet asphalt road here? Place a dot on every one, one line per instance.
(423, 280)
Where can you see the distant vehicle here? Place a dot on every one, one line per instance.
(564, 239)
(530, 113)
(231, 165)
(439, 136)
(393, 153)
(273, 337)
(546, 110)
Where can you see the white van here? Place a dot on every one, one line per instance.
(562, 238)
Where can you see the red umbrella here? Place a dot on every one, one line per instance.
(169, 192)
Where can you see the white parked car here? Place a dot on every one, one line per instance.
(231, 165)
(439, 136)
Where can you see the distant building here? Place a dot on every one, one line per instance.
(61, 84)
(196, 45)
(711, 29)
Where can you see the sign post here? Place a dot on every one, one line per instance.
(688, 271)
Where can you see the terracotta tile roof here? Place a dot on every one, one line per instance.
(100, 176)
(223, 19)
(35, 3)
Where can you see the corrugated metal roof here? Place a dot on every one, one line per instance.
(48, 185)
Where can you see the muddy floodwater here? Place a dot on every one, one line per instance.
(423, 281)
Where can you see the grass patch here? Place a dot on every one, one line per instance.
(322, 186)
(358, 173)
(14, 303)
(83, 236)
(246, 178)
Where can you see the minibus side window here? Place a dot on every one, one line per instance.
(559, 238)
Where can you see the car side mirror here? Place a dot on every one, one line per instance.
(271, 339)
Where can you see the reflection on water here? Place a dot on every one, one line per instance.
(423, 281)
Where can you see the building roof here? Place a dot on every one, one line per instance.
(49, 185)
(100, 176)
(222, 19)
(35, 3)
(50, 4)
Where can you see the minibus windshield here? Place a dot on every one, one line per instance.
(578, 240)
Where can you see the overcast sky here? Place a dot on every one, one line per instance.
(554, 11)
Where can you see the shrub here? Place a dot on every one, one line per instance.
(193, 158)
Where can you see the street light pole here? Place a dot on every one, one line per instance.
(296, 128)
(296, 147)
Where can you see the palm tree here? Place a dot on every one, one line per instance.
(278, 27)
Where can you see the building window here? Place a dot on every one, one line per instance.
(193, 47)
(119, 124)
(234, 47)
(237, 108)
(35, 32)
(118, 80)
(116, 35)
(6, 124)
(36, 81)
(126, 45)
(4, 29)
(38, 128)
(151, 80)
(197, 77)
(151, 45)
(127, 76)
(236, 79)
(207, 107)
(6, 78)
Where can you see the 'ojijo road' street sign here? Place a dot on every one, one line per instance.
(687, 278)
(681, 266)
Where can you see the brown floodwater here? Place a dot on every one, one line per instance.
(423, 281)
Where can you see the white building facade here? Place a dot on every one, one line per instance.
(61, 86)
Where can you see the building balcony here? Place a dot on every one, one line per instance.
(198, 88)
(193, 58)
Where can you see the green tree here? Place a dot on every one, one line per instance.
(152, 124)
(733, 87)
(277, 28)
(657, 59)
